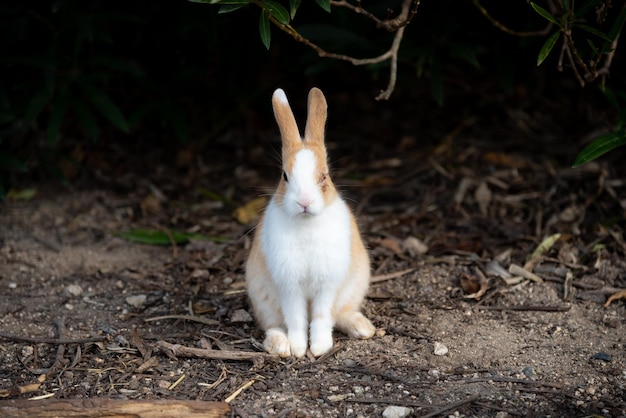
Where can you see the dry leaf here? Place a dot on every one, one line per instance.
(414, 246)
(464, 185)
(250, 211)
(505, 160)
(483, 197)
(391, 244)
(570, 214)
(150, 205)
(476, 287)
(469, 284)
(615, 296)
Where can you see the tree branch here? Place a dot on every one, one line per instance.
(398, 24)
(506, 29)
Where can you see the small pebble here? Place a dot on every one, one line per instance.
(27, 351)
(349, 363)
(12, 285)
(200, 274)
(440, 349)
(338, 398)
(601, 356)
(529, 371)
(137, 300)
(164, 384)
(241, 315)
(74, 290)
(397, 412)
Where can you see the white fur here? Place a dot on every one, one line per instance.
(280, 95)
(308, 257)
(308, 270)
(303, 193)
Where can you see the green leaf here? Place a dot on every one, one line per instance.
(265, 29)
(544, 13)
(293, 7)
(9, 162)
(588, 5)
(57, 114)
(467, 53)
(116, 64)
(24, 194)
(227, 8)
(103, 103)
(600, 146)
(34, 108)
(547, 48)
(276, 10)
(594, 31)
(545, 246)
(6, 117)
(616, 29)
(593, 47)
(436, 80)
(160, 237)
(178, 119)
(324, 4)
(86, 119)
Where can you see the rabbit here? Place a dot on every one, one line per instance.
(308, 270)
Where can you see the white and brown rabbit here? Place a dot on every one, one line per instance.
(308, 270)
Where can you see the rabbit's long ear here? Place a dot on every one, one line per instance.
(316, 118)
(286, 123)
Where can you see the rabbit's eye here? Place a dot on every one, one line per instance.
(285, 177)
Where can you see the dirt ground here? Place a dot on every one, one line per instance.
(445, 220)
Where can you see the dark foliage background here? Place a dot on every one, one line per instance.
(150, 79)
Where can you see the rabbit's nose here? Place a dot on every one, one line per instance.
(304, 201)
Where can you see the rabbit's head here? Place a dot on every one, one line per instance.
(305, 187)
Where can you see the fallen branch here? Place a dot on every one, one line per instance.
(178, 350)
(526, 308)
(398, 24)
(35, 340)
(99, 407)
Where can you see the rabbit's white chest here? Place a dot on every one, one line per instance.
(308, 252)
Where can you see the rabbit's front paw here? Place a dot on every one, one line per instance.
(321, 337)
(276, 342)
(298, 342)
(321, 345)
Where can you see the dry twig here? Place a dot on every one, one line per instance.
(389, 276)
(178, 350)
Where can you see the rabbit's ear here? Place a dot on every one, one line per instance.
(286, 122)
(316, 118)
